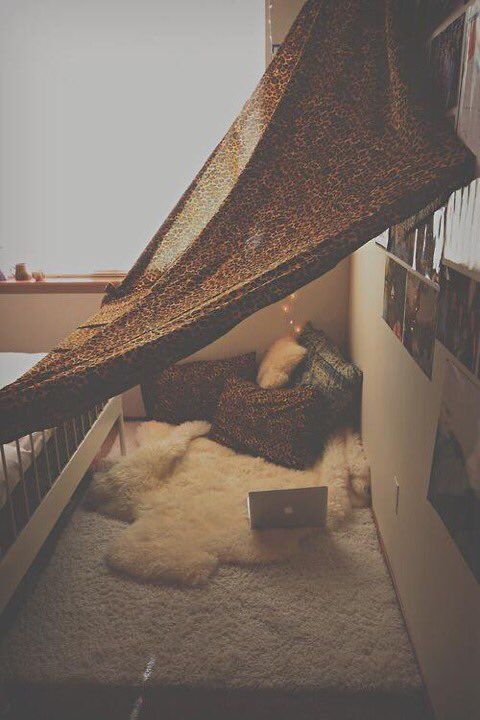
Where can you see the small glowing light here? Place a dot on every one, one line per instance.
(292, 296)
(298, 329)
(290, 322)
(285, 308)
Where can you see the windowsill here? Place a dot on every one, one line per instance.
(53, 284)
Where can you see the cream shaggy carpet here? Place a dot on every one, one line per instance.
(319, 636)
(185, 497)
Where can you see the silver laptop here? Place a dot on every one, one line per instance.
(296, 507)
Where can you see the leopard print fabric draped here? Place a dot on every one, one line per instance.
(331, 149)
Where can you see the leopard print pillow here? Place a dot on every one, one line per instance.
(192, 391)
(283, 425)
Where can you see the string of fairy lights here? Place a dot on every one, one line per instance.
(288, 304)
(270, 32)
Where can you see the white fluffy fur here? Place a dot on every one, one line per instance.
(186, 500)
(279, 362)
(359, 469)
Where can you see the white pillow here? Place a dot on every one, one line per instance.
(279, 362)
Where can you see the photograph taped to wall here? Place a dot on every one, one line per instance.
(462, 227)
(418, 241)
(446, 62)
(394, 296)
(468, 125)
(420, 321)
(429, 237)
(458, 326)
(402, 242)
(438, 241)
(454, 488)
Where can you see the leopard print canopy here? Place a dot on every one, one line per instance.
(331, 149)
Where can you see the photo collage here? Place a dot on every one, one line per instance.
(418, 241)
(411, 285)
(425, 297)
(410, 309)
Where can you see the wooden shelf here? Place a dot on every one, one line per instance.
(80, 284)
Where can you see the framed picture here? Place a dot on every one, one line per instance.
(454, 488)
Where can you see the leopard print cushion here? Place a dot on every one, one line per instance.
(283, 425)
(192, 392)
(324, 367)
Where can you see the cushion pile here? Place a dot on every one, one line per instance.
(281, 425)
(304, 390)
(192, 392)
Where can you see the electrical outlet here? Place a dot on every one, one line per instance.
(397, 493)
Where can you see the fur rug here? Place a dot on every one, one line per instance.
(185, 497)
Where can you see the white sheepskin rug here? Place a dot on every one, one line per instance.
(185, 497)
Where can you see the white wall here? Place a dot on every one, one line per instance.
(108, 108)
(438, 592)
(440, 596)
(35, 323)
(279, 17)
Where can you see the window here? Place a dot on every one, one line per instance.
(108, 108)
